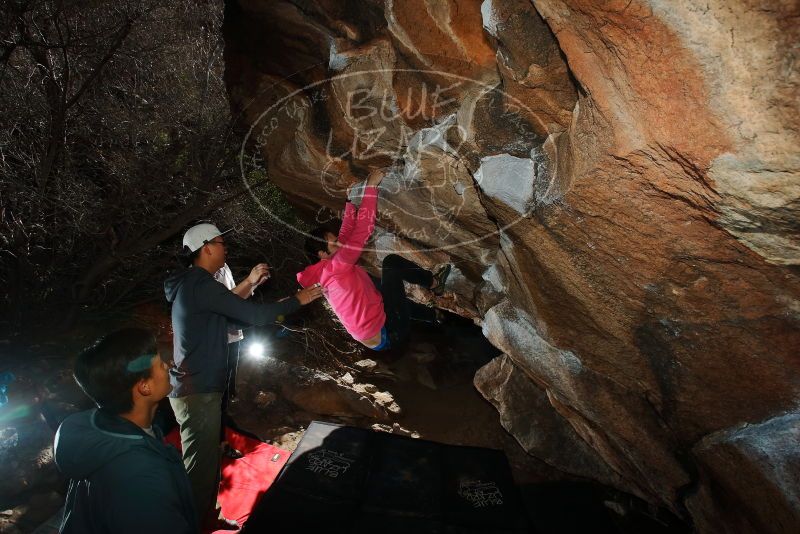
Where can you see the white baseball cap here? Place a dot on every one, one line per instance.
(200, 234)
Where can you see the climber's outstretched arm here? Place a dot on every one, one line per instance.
(350, 209)
(348, 222)
(359, 223)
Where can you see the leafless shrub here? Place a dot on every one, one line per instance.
(115, 134)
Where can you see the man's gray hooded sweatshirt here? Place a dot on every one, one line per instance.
(122, 481)
(201, 309)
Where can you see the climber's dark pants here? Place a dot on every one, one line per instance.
(397, 306)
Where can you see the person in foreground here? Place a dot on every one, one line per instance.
(123, 478)
(378, 317)
(201, 311)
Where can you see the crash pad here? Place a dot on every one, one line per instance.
(244, 480)
(347, 479)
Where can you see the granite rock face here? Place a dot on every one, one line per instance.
(526, 412)
(617, 185)
(751, 463)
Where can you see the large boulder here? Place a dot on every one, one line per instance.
(527, 414)
(616, 184)
(751, 477)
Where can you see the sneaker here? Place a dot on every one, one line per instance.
(441, 279)
(233, 454)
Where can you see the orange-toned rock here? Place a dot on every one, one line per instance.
(710, 88)
(535, 76)
(617, 185)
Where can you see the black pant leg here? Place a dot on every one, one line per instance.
(407, 270)
(399, 309)
(421, 312)
(395, 303)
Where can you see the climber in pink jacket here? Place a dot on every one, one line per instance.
(375, 316)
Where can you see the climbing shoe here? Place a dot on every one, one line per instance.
(230, 452)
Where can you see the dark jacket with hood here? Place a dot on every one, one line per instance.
(201, 309)
(122, 481)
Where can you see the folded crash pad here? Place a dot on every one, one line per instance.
(246, 479)
(346, 479)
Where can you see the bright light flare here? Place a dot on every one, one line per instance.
(256, 350)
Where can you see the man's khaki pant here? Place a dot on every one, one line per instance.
(199, 417)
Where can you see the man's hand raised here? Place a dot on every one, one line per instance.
(309, 294)
(259, 274)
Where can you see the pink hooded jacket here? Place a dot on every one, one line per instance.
(349, 289)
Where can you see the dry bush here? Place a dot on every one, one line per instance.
(115, 135)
